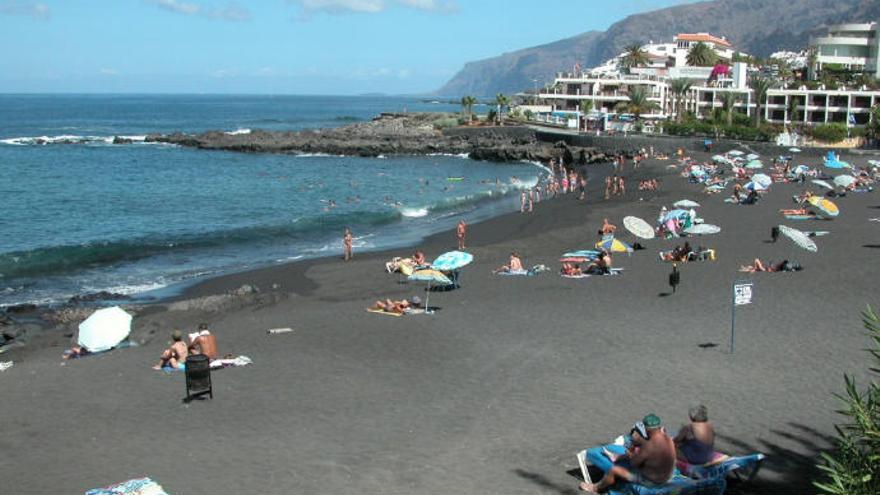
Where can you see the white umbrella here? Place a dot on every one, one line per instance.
(638, 227)
(763, 179)
(795, 150)
(752, 156)
(104, 329)
(735, 153)
(702, 229)
(844, 180)
(801, 239)
(686, 203)
(822, 183)
(754, 164)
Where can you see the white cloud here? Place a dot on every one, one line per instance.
(309, 7)
(110, 72)
(38, 11)
(231, 12)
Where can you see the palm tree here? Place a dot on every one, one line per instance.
(634, 56)
(792, 108)
(760, 85)
(679, 89)
(502, 101)
(701, 55)
(812, 61)
(586, 107)
(467, 104)
(729, 100)
(638, 102)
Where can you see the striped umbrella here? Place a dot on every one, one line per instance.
(614, 246)
(433, 277)
(800, 239)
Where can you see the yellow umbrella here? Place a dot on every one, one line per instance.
(826, 208)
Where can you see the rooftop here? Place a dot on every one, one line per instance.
(704, 37)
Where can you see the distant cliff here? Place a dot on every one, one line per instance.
(757, 27)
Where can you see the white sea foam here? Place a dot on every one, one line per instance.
(317, 155)
(68, 139)
(238, 131)
(454, 155)
(129, 289)
(414, 212)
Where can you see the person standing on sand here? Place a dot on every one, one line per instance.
(583, 187)
(608, 187)
(460, 233)
(621, 186)
(347, 239)
(523, 199)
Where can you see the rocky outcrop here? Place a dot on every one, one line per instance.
(389, 134)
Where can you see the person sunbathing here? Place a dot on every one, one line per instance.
(389, 306)
(514, 264)
(759, 266)
(419, 258)
(695, 441)
(651, 458)
(601, 265)
(176, 354)
(571, 270)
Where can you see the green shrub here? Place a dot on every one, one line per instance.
(853, 468)
(766, 132)
(445, 123)
(830, 133)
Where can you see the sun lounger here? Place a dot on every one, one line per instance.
(678, 485)
(744, 468)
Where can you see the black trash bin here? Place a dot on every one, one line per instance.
(198, 377)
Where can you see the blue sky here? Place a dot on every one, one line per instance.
(275, 46)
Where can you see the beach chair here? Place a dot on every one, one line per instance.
(743, 468)
(198, 377)
(678, 485)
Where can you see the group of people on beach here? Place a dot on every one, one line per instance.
(649, 454)
(201, 342)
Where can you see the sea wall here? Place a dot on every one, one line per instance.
(670, 144)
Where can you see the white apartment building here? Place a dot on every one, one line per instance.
(853, 46)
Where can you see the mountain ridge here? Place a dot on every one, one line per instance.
(743, 22)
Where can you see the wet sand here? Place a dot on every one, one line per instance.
(492, 394)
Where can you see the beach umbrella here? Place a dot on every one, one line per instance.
(104, 329)
(822, 183)
(638, 227)
(686, 203)
(735, 153)
(795, 150)
(702, 229)
(720, 159)
(754, 164)
(801, 239)
(844, 180)
(453, 260)
(433, 277)
(835, 163)
(754, 186)
(875, 163)
(584, 253)
(614, 246)
(800, 169)
(826, 208)
(752, 156)
(763, 179)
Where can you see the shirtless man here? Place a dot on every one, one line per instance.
(608, 228)
(514, 264)
(608, 187)
(695, 441)
(621, 186)
(460, 233)
(175, 355)
(205, 343)
(651, 458)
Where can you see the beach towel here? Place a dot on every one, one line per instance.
(582, 275)
(800, 217)
(515, 273)
(138, 486)
(231, 362)
(409, 311)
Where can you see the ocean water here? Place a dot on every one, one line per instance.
(80, 215)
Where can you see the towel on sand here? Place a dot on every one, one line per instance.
(138, 486)
(229, 362)
(409, 311)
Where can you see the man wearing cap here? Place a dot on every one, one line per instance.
(650, 460)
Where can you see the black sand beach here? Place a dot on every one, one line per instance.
(492, 394)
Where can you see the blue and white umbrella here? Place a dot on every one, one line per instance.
(800, 169)
(104, 329)
(453, 260)
(754, 186)
(763, 179)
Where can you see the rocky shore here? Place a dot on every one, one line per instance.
(394, 134)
